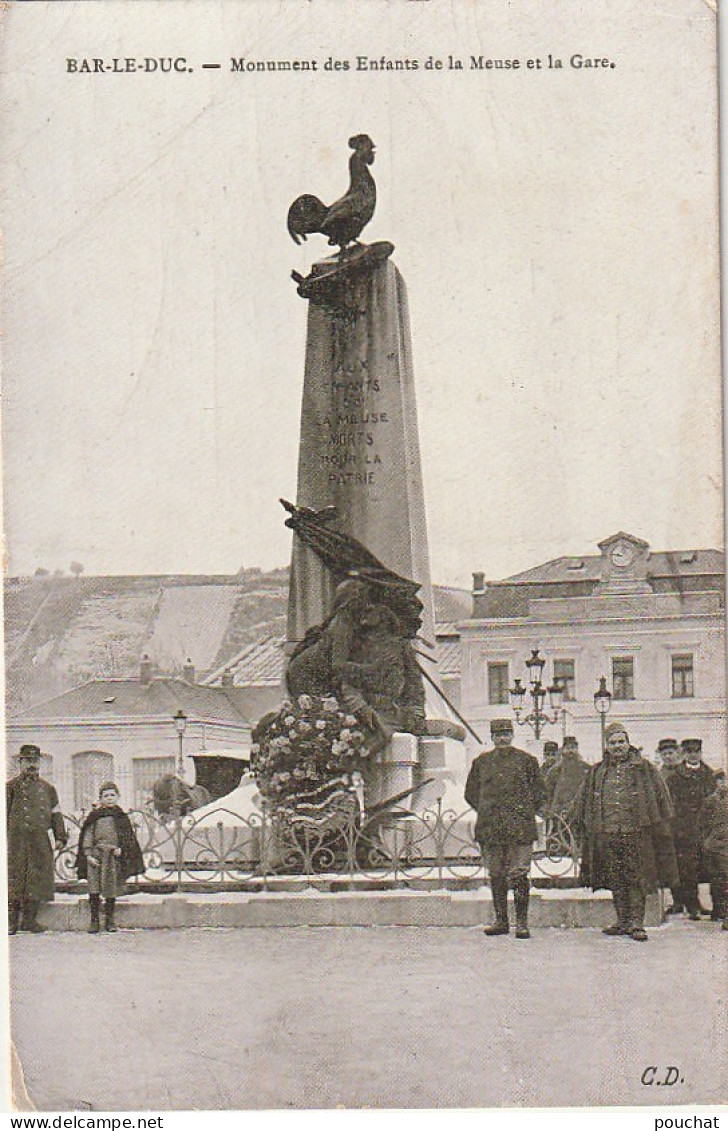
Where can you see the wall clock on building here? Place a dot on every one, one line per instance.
(622, 554)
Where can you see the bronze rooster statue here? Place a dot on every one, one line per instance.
(343, 221)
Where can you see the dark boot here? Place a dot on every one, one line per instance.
(677, 902)
(30, 922)
(109, 915)
(13, 917)
(717, 898)
(520, 898)
(637, 903)
(620, 899)
(499, 888)
(95, 905)
(692, 903)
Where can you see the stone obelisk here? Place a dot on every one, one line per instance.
(359, 448)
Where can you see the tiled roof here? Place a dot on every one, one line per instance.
(672, 564)
(261, 665)
(128, 698)
(450, 604)
(448, 655)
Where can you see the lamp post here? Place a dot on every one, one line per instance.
(537, 717)
(180, 722)
(603, 702)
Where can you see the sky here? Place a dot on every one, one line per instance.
(556, 229)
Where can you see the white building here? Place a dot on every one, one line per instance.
(651, 623)
(124, 730)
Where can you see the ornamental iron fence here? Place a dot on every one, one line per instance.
(224, 850)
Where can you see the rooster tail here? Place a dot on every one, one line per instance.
(305, 215)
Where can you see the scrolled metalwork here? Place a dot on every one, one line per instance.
(221, 849)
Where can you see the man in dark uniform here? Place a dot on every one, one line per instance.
(690, 783)
(669, 754)
(563, 780)
(33, 813)
(506, 790)
(551, 755)
(623, 815)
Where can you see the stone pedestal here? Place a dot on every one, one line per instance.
(445, 760)
(408, 761)
(359, 448)
(395, 769)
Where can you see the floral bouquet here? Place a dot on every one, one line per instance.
(308, 759)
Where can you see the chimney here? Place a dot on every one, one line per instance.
(227, 678)
(478, 584)
(145, 671)
(188, 671)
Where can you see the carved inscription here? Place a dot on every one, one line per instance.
(353, 435)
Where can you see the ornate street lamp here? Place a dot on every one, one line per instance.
(537, 717)
(603, 702)
(180, 722)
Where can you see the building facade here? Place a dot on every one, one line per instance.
(651, 623)
(124, 730)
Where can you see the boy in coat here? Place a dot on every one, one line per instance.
(108, 854)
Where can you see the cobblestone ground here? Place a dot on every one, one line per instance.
(384, 1017)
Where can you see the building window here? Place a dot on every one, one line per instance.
(683, 686)
(565, 675)
(91, 768)
(623, 677)
(146, 772)
(497, 683)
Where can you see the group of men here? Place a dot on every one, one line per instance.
(640, 828)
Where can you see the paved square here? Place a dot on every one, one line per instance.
(384, 1017)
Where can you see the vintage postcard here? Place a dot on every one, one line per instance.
(364, 555)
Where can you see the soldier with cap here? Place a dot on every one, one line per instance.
(623, 814)
(690, 783)
(506, 790)
(563, 781)
(669, 754)
(33, 813)
(713, 825)
(550, 756)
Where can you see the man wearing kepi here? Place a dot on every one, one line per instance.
(506, 789)
(33, 813)
(623, 813)
(690, 783)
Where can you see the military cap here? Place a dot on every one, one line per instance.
(692, 744)
(550, 747)
(667, 744)
(29, 750)
(501, 726)
(615, 728)
(570, 740)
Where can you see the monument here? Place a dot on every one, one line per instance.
(360, 615)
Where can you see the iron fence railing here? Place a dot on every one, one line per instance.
(433, 848)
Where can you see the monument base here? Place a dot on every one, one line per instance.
(408, 762)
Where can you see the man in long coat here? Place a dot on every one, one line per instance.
(690, 783)
(623, 814)
(33, 813)
(563, 780)
(506, 789)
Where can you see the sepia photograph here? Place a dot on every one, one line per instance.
(364, 591)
